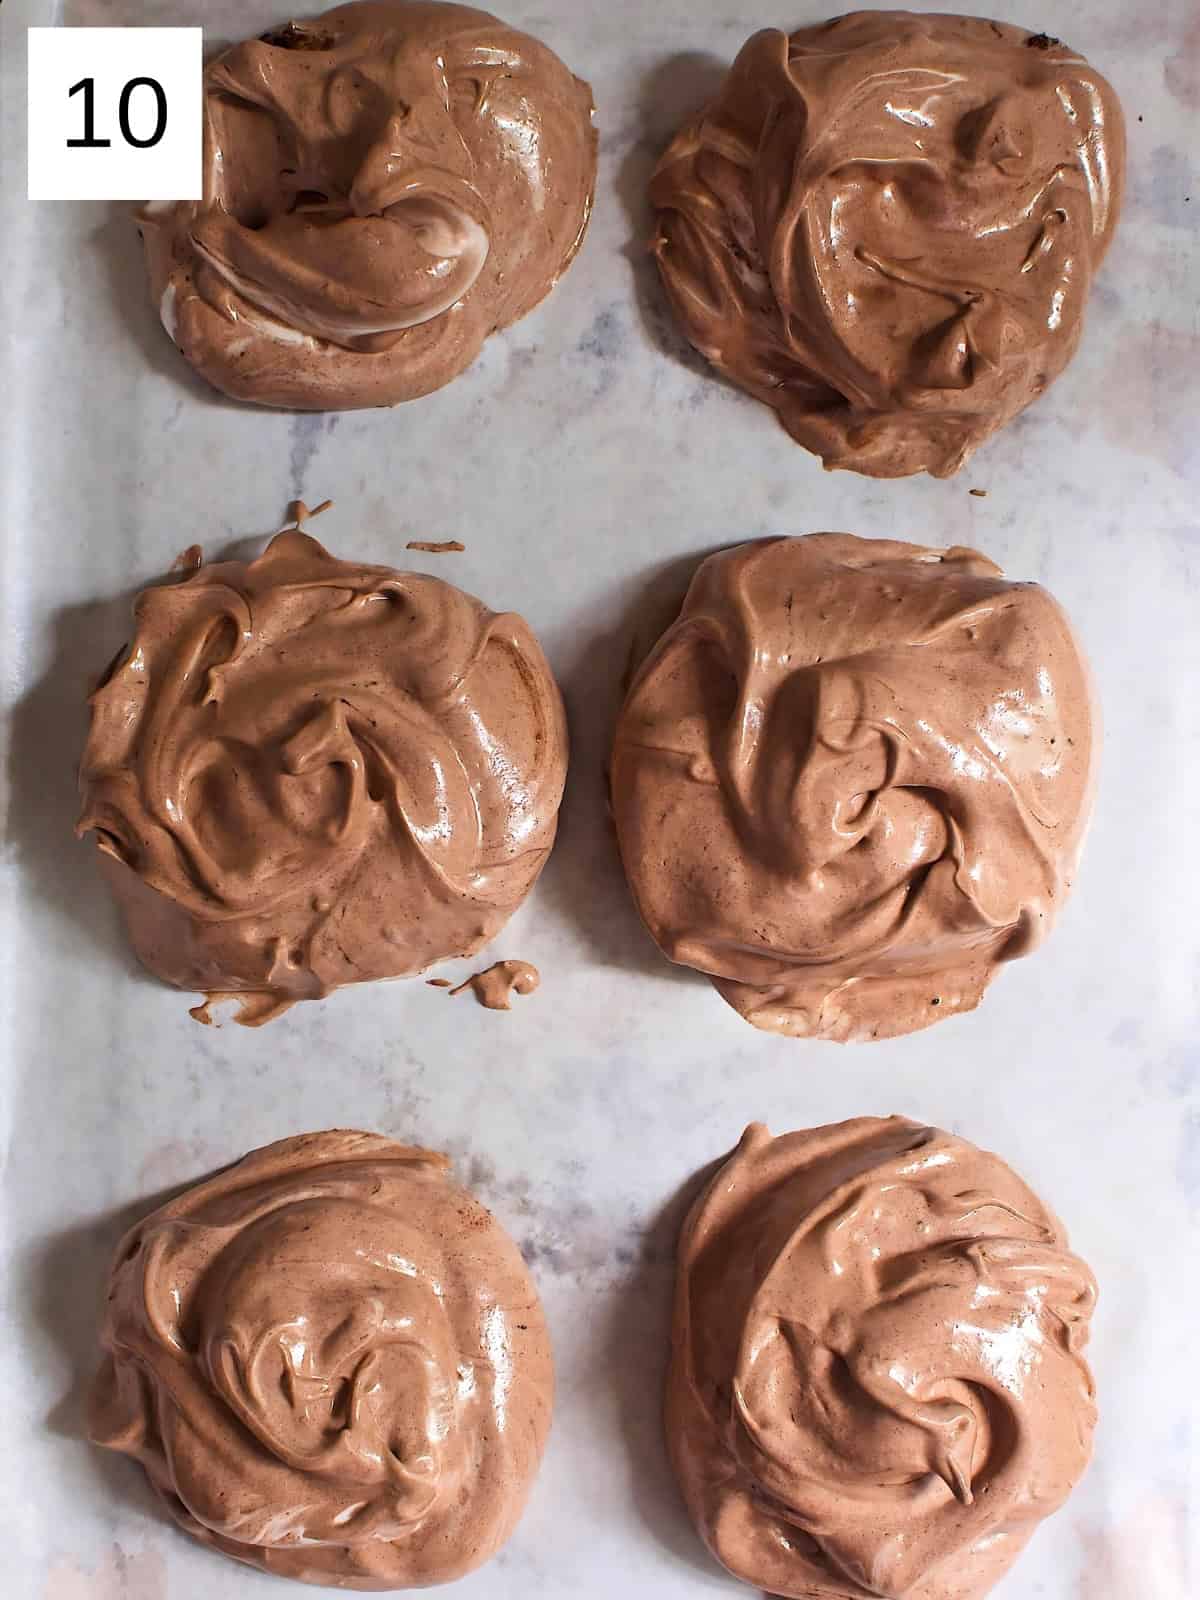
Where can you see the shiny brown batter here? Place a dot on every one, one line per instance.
(886, 227)
(306, 772)
(385, 186)
(332, 1364)
(496, 985)
(852, 777)
(877, 1387)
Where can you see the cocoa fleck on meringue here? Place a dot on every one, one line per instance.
(877, 1387)
(852, 778)
(305, 772)
(332, 1364)
(886, 227)
(385, 186)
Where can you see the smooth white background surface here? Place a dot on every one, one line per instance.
(586, 461)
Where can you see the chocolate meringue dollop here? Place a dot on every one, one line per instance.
(886, 227)
(385, 186)
(877, 1387)
(852, 777)
(332, 1364)
(305, 772)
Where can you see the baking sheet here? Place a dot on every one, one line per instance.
(586, 461)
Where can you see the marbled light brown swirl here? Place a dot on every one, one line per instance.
(886, 227)
(332, 1364)
(852, 777)
(385, 186)
(304, 773)
(877, 1387)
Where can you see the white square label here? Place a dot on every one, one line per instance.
(116, 113)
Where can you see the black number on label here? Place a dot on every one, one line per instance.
(90, 142)
(160, 112)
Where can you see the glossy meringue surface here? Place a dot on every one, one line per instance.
(886, 227)
(852, 778)
(385, 185)
(332, 1363)
(877, 1387)
(306, 772)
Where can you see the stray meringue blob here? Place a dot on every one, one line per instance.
(495, 987)
(852, 778)
(305, 772)
(877, 1387)
(886, 227)
(385, 186)
(332, 1363)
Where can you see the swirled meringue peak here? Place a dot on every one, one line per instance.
(877, 1387)
(332, 1364)
(886, 227)
(304, 773)
(385, 186)
(851, 778)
